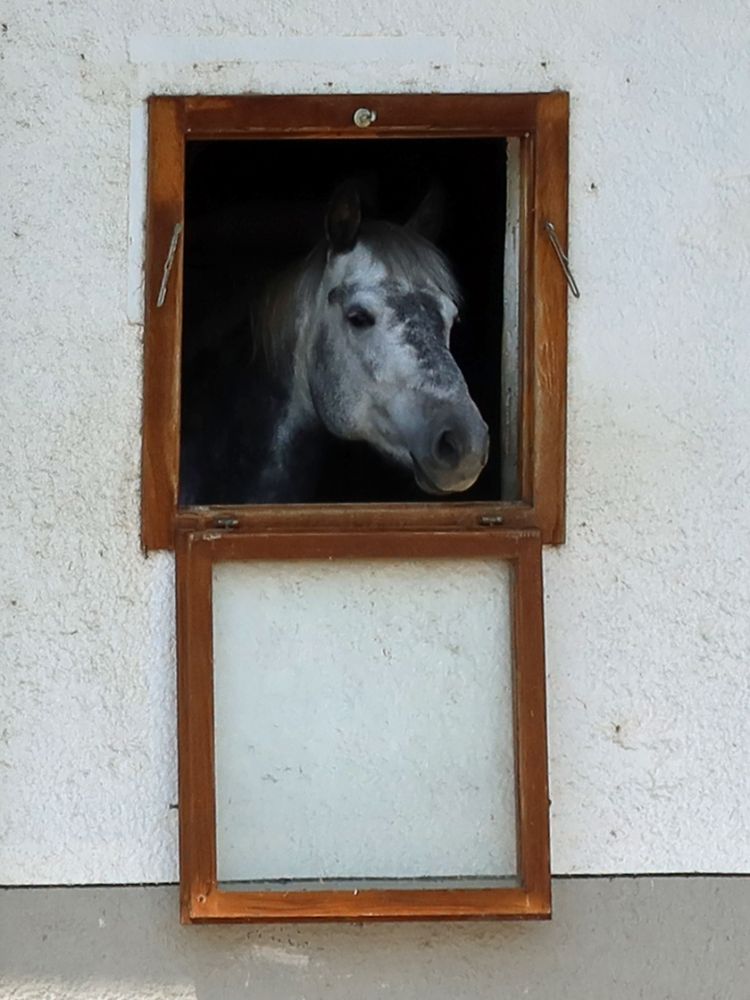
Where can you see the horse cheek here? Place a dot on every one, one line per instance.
(328, 385)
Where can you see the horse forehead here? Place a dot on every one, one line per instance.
(358, 267)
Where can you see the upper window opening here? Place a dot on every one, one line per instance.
(342, 324)
(355, 321)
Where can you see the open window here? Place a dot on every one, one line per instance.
(354, 438)
(288, 386)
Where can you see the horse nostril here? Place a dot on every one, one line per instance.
(447, 449)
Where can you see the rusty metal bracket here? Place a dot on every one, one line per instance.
(549, 228)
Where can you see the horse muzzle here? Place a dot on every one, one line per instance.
(452, 454)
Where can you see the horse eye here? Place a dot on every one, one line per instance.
(360, 318)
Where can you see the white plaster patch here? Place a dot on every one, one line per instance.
(137, 211)
(280, 956)
(176, 50)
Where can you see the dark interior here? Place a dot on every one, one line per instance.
(254, 206)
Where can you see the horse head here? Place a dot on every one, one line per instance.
(377, 350)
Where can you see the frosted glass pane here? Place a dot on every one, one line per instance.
(363, 719)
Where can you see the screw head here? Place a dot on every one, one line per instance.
(363, 117)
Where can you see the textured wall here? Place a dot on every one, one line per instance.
(647, 613)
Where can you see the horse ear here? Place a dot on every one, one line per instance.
(343, 218)
(427, 220)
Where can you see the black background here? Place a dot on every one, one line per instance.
(254, 206)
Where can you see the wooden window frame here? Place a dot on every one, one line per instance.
(540, 121)
(202, 900)
(509, 530)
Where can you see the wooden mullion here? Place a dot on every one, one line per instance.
(530, 725)
(370, 905)
(359, 517)
(550, 314)
(330, 115)
(163, 324)
(195, 725)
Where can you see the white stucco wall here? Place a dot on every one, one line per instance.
(647, 603)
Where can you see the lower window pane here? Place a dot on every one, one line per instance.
(363, 722)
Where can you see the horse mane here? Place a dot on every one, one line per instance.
(410, 257)
(276, 312)
(407, 256)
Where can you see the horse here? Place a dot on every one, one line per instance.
(351, 343)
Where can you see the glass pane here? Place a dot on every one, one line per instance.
(363, 720)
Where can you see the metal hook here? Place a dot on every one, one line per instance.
(552, 233)
(168, 265)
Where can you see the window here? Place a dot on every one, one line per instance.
(354, 388)
(238, 186)
(443, 813)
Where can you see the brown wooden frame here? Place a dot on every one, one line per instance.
(201, 898)
(541, 123)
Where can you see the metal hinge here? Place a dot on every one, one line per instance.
(226, 523)
(490, 520)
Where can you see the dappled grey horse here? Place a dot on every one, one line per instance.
(352, 342)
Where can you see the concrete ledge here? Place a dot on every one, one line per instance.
(613, 938)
